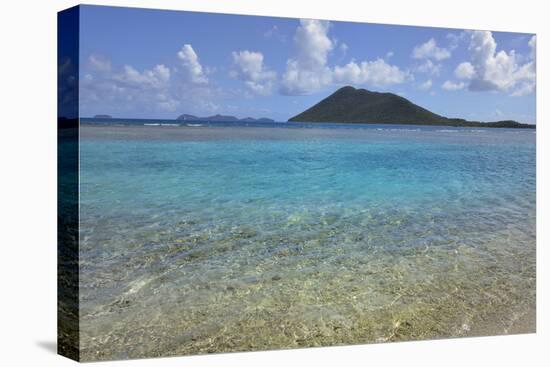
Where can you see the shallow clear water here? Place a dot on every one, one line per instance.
(212, 239)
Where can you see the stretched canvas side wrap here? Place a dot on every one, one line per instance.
(233, 183)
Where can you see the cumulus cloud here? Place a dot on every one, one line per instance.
(429, 67)
(464, 70)
(377, 73)
(533, 46)
(430, 56)
(308, 70)
(249, 67)
(455, 39)
(492, 70)
(452, 86)
(67, 88)
(271, 31)
(156, 78)
(127, 89)
(313, 43)
(99, 63)
(298, 81)
(275, 33)
(191, 65)
(429, 50)
(426, 85)
(344, 48)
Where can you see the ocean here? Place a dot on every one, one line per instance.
(217, 237)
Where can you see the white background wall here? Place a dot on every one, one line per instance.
(28, 181)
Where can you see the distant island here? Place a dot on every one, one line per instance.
(103, 117)
(222, 118)
(351, 105)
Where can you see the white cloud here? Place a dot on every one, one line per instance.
(464, 70)
(452, 86)
(126, 90)
(298, 81)
(128, 87)
(156, 78)
(455, 39)
(307, 70)
(426, 85)
(191, 65)
(533, 46)
(67, 88)
(376, 73)
(429, 67)
(271, 32)
(249, 67)
(275, 33)
(523, 89)
(99, 63)
(389, 54)
(313, 43)
(429, 50)
(344, 48)
(498, 70)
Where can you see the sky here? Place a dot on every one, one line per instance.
(140, 63)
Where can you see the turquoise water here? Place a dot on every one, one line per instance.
(212, 239)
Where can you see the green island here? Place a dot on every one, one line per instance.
(352, 105)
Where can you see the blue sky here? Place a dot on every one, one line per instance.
(159, 64)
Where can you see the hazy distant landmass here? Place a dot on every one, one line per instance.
(228, 118)
(103, 117)
(351, 105)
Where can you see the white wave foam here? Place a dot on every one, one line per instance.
(396, 129)
(157, 124)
